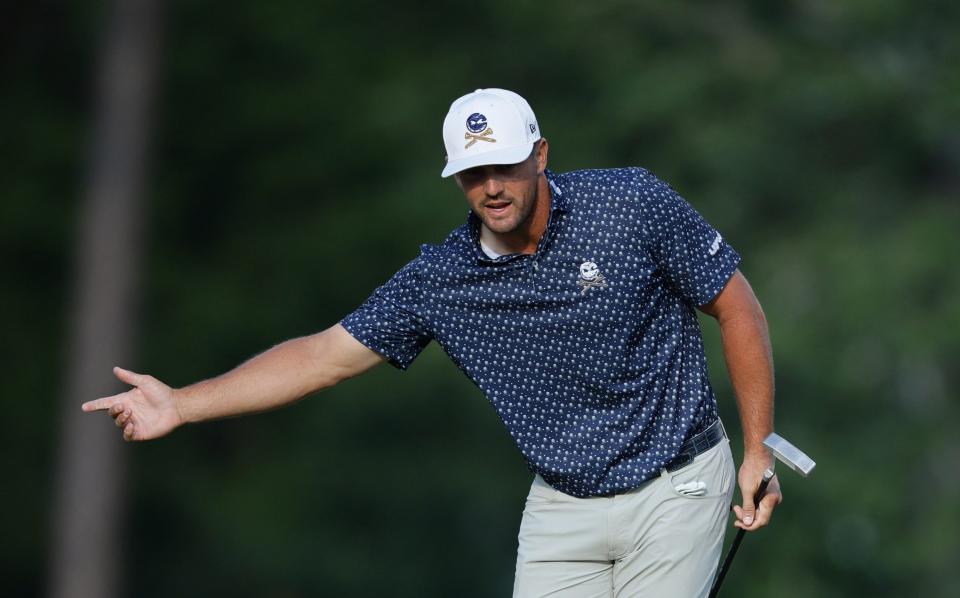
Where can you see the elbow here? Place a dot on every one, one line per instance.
(759, 317)
(329, 378)
(750, 316)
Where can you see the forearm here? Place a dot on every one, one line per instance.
(276, 377)
(746, 348)
(747, 351)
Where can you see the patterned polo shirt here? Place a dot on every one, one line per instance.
(589, 349)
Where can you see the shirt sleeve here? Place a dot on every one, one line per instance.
(390, 321)
(692, 254)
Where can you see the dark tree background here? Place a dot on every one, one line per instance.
(295, 166)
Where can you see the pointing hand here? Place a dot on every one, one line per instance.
(146, 411)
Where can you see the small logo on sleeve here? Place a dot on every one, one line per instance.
(590, 278)
(716, 245)
(477, 130)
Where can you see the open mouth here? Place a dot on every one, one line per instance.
(497, 207)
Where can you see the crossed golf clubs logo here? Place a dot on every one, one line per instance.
(485, 136)
(477, 130)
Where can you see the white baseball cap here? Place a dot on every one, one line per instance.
(488, 126)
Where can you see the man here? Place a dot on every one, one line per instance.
(568, 299)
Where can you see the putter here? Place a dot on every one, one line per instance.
(790, 456)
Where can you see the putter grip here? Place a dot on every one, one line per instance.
(761, 490)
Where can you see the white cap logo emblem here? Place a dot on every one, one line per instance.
(477, 130)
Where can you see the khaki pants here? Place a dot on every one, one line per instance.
(661, 540)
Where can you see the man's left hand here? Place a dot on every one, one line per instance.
(749, 517)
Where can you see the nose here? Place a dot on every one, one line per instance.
(492, 186)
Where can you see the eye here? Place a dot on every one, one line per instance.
(470, 177)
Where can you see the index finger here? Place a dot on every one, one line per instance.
(104, 403)
(765, 510)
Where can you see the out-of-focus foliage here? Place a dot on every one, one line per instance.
(297, 166)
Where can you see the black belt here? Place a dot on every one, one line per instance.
(701, 443)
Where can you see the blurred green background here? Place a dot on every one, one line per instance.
(295, 166)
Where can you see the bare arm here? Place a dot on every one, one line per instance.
(277, 377)
(746, 349)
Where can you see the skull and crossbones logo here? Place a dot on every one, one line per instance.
(477, 130)
(590, 277)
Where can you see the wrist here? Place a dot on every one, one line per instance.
(177, 395)
(757, 454)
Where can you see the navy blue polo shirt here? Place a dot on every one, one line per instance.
(590, 349)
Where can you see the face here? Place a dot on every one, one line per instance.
(504, 196)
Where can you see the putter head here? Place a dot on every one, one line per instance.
(789, 455)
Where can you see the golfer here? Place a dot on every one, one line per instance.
(570, 300)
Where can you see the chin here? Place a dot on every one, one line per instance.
(501, 226)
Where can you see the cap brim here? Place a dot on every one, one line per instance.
(510, 155)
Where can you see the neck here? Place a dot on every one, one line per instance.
(526, 237)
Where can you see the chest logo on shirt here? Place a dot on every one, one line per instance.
(477, 130)
(590, 278)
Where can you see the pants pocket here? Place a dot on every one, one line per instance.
(710, 475)
(541, 493)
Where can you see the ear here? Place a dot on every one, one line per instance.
(542, 150)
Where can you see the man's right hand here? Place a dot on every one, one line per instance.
(277, 377)
(147, 411)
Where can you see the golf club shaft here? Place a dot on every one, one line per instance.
(761, 489)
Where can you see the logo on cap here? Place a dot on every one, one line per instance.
(476, 122)
(477, 130)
